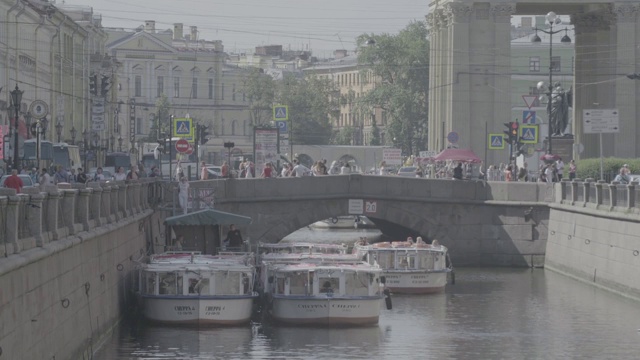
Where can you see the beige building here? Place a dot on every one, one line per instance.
(352, 83)
(45, 51)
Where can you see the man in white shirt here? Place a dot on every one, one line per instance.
(560, 167)
(299, 169)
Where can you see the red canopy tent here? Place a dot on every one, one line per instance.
(463, 155)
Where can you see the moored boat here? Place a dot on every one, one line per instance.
(195, 289)
(344, 222)
(324, 293)
(409, 267)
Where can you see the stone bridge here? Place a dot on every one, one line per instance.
(481, 222)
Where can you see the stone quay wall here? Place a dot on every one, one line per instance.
(594, 235)
(67, 257)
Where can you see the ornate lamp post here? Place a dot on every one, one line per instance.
(59, 130)
(73, 132)
(120, 143)
(112, 140)
(552, 19)
(16, 98)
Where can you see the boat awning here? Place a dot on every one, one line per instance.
(207, 217)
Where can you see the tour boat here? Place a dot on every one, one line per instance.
(325, 293)
(196, 289)
(409, 267)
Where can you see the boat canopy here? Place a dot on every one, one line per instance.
(207, 217)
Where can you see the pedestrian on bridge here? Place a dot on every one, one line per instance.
(183, 193)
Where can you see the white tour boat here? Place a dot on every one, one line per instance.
(409, 267)
(193, 288)
(344, 222)
(325, 293)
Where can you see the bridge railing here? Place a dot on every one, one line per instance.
(600, 195)
(33, 218)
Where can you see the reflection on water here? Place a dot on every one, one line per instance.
(488, 314)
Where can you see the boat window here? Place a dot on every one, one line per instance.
(386, 259)
(406, 261)
(179, 284)
(297, 284)
(356, 284)
(246, 284)
(426, 261)
(167, 283)
(149, 285)
(227, 283)
(280, 286)
(329, 285)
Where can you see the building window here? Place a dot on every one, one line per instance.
(138, 125)
(176, 87)
(534, 64)
(210, 88)
(233, 127)
(194, 88)
(222, 91)
(555, 63)
(138, 86)
(160, 86)
(233, 92)
(222, 126)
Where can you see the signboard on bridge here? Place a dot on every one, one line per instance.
(356, 206)
(392, 156)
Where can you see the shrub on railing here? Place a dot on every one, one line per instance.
(590, 168)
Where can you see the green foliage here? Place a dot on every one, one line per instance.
(375, 135)
(590, 168)
(259, 89)
(400, 64)
(344, 136)
(310, 107)
(160, 127)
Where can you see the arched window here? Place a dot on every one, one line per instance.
(234, 123)
(222, 126)
(177, 73)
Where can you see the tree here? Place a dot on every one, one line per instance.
(161, 121)
(400, 67)
(375, 135)
(260, 91)
(343, 136)
(311, 104)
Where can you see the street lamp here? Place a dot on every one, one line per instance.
(112, 140)
(16, 98)
(229, 145)
(120, 143)
(552, 19)
(73, 132)
(59, 130)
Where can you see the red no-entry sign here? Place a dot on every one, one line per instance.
(182, 146)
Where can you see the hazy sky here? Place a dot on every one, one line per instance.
(323, 26)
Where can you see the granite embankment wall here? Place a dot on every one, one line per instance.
(66, 264)
(594, 235)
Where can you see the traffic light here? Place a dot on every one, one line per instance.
(514, 132)
(203, 134)
(93, 84)
(105, 85)
(521, 149)
(508, 139)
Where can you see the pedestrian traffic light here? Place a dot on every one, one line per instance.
(203, 134)
(105, 85)
(93, 84)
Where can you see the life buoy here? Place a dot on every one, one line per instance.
(334, 220)
(382, 245)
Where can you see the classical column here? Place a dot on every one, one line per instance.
(433, 48)
(502, 65)
(626, 90)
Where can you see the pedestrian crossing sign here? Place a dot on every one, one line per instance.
(529, 134)
(496, 141)
(280, 112)
(183, 127)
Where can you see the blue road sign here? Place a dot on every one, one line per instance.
(280, 112)
(282, 126)
(528, 117)
(453, 137)
(496, 141)
(529, 134)
(183, 127)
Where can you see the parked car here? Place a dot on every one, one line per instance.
(215, 171)
(26, 180)
(408, 171)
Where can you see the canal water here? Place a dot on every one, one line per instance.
(489, 313)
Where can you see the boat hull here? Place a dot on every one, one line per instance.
(203, 310)
(402, 282)
(327, 311)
